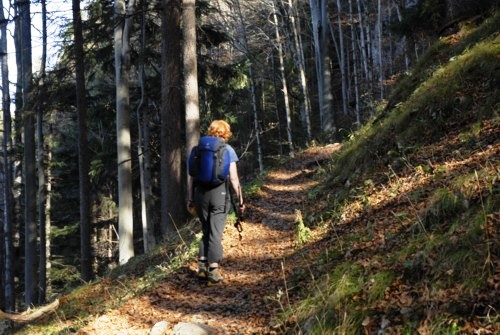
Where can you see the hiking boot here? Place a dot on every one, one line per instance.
(202, 270)
(214, 276)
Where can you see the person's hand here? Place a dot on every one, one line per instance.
(191, 208)
(242, 209)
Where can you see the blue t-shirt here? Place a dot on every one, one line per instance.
(233, 157)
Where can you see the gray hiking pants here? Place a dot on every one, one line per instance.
(212, 206)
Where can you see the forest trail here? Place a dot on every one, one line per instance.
(246, 302)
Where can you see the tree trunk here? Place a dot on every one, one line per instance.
(172, 137)
(190, 78)
(355, 65)
(17, 151)
(143, 146)
(42, 181)
(318, 59)
(256, 127)
(123, 16)
(47, 207)
(284, 88)
(328, 126)
(83, 161)
(363, 50)
(320, 30)
(380, 49)
(301, 67)
(8, 272)
(370, 57)
(276, 106)
(343, 64)
(403, 38)
(30, 228)
(252, 90)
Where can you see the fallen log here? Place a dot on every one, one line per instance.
(31, 315)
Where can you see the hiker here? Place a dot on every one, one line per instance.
(212, 203)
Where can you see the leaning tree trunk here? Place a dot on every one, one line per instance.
(123, 15)
(8, 293)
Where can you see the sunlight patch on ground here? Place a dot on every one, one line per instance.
(112, 325)
(283, 176)
(294, 187)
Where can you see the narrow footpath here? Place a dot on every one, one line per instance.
(247, 302)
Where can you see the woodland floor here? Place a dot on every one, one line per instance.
(246, 302)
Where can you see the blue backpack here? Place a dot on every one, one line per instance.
(209, 162)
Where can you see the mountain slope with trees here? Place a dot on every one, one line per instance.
(394, 231)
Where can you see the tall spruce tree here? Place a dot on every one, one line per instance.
(172, 135)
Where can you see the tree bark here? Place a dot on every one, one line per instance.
(83, 156)
(172, 137)
(42, 181)
(190, 78)
(284, 88)
(252, 90)
(301, 67)
(343, 64)
(276, 106)
(123, 16)
(8, 293)
(355, 65)
(30, 226)
(364, 57)
(380, 49)
(320, 30)
(404, 38)
(143, 146)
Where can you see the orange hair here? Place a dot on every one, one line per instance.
(220, 128)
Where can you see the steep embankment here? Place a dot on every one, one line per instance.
(410, 206)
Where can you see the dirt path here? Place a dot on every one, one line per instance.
(246, 302)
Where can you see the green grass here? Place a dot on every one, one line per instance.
(327, 310)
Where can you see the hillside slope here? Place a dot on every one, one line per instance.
(394, 232)
(410, 207)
